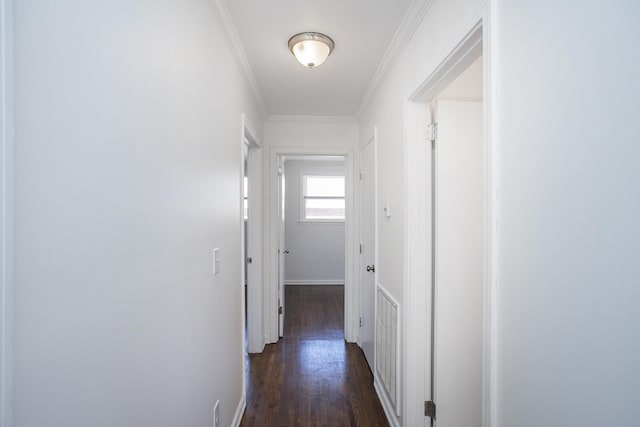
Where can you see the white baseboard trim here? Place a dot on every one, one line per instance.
(237, 418)
(389, 411)
(313, 282)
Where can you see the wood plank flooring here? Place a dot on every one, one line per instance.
(312, 377)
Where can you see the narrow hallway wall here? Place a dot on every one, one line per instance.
(127, 176)
(384, 110)
(568, 213)
(566, 151)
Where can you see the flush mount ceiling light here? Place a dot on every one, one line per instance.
(311, 49)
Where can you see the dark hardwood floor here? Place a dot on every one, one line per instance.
(312, 377)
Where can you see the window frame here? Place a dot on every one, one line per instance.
(302, 212)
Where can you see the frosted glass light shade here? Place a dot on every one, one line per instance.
(311, 49)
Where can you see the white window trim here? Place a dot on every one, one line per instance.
(302, 191)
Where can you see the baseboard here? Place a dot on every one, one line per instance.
(313, 282)
(388, 408)
(237, 418)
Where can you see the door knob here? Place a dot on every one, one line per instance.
(371, 268)
(286, 251)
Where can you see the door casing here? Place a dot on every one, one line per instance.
(255, 325)
(351, 285)
(476, 37)
(281, 244)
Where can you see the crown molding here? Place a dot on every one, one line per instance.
(410, 22)
(311, 119)
(222, 12)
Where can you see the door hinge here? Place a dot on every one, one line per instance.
(280, 310)
(360, 247)
(430, 409)
(432, 132)
(361, 322)
(361, 174)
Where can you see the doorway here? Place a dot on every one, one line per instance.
(450, 205)
(276, 266)
(458, 250)
(311, 238)
(251, 240)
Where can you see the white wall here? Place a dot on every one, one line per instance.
(568, 200)
(310, 131)
(6, 210)
(385, 111)
(127, 171)
(316, 249)
(569, 205)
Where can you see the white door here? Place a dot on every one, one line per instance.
(245, 244)
(368, 252)
(459, 244)
(281, 247)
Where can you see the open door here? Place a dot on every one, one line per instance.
(252, 243)
(281, 246)
(245, 245)
(367, 253)
(459, 257)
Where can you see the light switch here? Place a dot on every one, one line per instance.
(216, 261)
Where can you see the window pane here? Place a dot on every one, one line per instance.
(246, 187)
(246, 209)
(324, 186)
(324, 208)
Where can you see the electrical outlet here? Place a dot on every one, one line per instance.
(216, 414)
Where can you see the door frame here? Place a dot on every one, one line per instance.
(351, 306)
(475, 37)
(6, 212)
(254, 318)
(282, 209)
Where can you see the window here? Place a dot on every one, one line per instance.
(322, 198)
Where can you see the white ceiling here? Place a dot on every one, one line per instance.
(361, 29)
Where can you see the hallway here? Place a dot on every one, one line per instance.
(124, 132)
(312, 377)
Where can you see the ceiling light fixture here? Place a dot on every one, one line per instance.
(311, 49)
